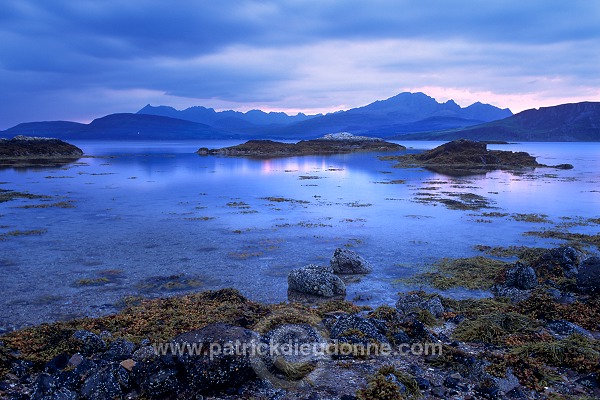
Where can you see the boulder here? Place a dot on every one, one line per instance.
(588, 277)
(106, 383)
(222, 361)
(561, 261)
(89, 342)
(346, 261)
(521, 276)
(354, 329)
(414, 302)
(316, 280)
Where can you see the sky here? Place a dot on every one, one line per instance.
(79, 60)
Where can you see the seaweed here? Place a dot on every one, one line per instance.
(386, 385)
(472, 273)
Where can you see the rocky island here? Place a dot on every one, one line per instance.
(466, 154)
(329, 144)
(37, 150)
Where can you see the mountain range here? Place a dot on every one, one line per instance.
(406, 116)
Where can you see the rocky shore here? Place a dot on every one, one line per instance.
(536, 338)
(36, 150)
(470, 155)
(329, 144)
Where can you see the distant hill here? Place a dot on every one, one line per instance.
(121, 127)
(562, 123)
(404, 113)
(235, 121)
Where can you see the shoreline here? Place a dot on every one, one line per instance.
(487, 344)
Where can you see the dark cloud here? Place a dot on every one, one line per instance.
(318, 54)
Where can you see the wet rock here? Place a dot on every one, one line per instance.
(292, 366)
(106, 383)
(346, 261)
(90, 343)
(354, 329)
(521, 276)
(21, 367)
(588, 277)
(161, 383)
(57, 363)
(316, 280)
(589, 381)
(72, 379)
(44, 386)
(512, 293)
(144, 354)
(423, 383)
(119, 350)
(414, 302)
(566, 328)
(558, 261)
(213, 367)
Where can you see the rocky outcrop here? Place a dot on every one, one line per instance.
(316, 280)
(467, 154)
(205, 371)
(412, 303)
(521, 277)
(346, 261)
(335, 145)
(35, 148)
(588, 277)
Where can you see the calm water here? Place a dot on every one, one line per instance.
(154, 219)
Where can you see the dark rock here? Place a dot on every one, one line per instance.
(353, 329)
(277, 361)
(588, 277)
(160, 384)
(119, 350)
(316, 280)
(144, 354)
(411, 303)
(214, 370)
(566, 328)
(417, 331)
(451, 383)
(589, 381)
(43, 386)
(521, 276)
(57, 363)
(21, 367)
(106, 383)
(488, 392)
(401, 337)
(424, 384)
(346, 261)
(72, 379)
(512, 293)
(517, 393)
(90, 343)
(559, 261)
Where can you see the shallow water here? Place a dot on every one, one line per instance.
(154, 219)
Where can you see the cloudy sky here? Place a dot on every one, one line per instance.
(78, 60)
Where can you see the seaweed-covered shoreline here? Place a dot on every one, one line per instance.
(536, 338)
